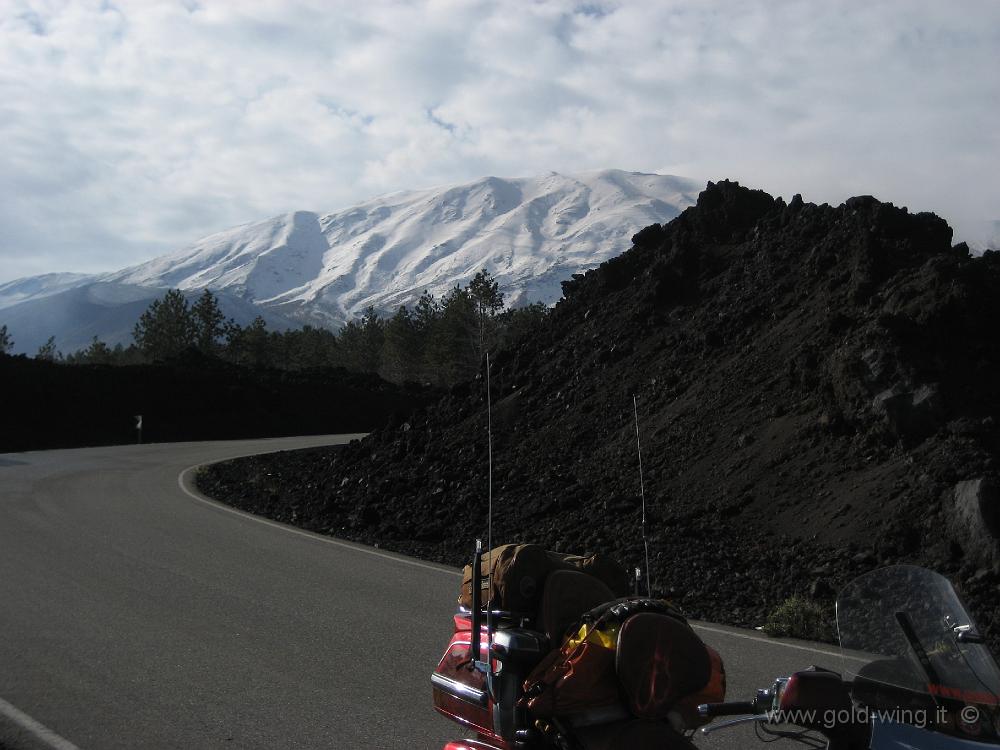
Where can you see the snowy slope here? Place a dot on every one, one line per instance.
(325, 269)
(530, 234)
(980, 236)
(107, 310)
(37, 287)
(990, 237)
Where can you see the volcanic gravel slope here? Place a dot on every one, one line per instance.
(812, 382)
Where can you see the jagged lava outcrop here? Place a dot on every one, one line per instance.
(817, 392)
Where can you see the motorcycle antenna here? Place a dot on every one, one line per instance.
(489, 513)
(642, 494)
(489, 461)
(477, 663)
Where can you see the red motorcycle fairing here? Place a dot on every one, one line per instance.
(469, 745)
(460, 692)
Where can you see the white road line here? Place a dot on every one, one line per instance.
(772, 642)
(182, 482)
(40, 731)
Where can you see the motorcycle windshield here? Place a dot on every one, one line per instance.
(904, 629)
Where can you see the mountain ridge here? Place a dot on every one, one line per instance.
(385, 251)
(325, 269)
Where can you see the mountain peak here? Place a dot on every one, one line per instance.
(529, 232)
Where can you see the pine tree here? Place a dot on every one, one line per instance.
(308, 348)
(131, 355)
(256, 343)
(208, 322)
(232, 347)
(98, 353)
(402, 352)
(360, 342)
(485, 293)
(47, 351)
(514, 325)
(6, 342)
(426, 312)
(166, 328)
(454, 338)
(487, 300)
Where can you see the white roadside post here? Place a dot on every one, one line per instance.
(138, 427)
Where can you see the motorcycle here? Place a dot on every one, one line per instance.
(916, 675)
(488, 679)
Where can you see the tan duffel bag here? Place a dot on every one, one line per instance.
(517, 573)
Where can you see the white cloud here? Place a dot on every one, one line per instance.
(132, 128)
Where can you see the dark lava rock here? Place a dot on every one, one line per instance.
(812, 382)
(974, 520)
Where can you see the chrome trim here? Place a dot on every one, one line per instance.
(458, 689)
(735, 722)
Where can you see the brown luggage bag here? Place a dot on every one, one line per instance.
(516, 573)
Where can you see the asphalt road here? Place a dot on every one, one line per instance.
(134, 614)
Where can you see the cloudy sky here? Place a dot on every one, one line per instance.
(128, 129)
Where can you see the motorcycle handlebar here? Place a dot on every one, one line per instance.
(733, 708)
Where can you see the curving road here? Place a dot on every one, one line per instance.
(134, 613)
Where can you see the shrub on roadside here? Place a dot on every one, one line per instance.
(800, 617)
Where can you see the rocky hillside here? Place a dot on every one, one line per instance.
(817, 392)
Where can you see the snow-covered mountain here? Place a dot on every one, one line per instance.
(325, 269)
(991, 235)
(530, 234)
(37, 287)
(107, 310)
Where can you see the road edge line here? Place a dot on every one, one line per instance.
(182, 482)
(35, 728)
(774, 642)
